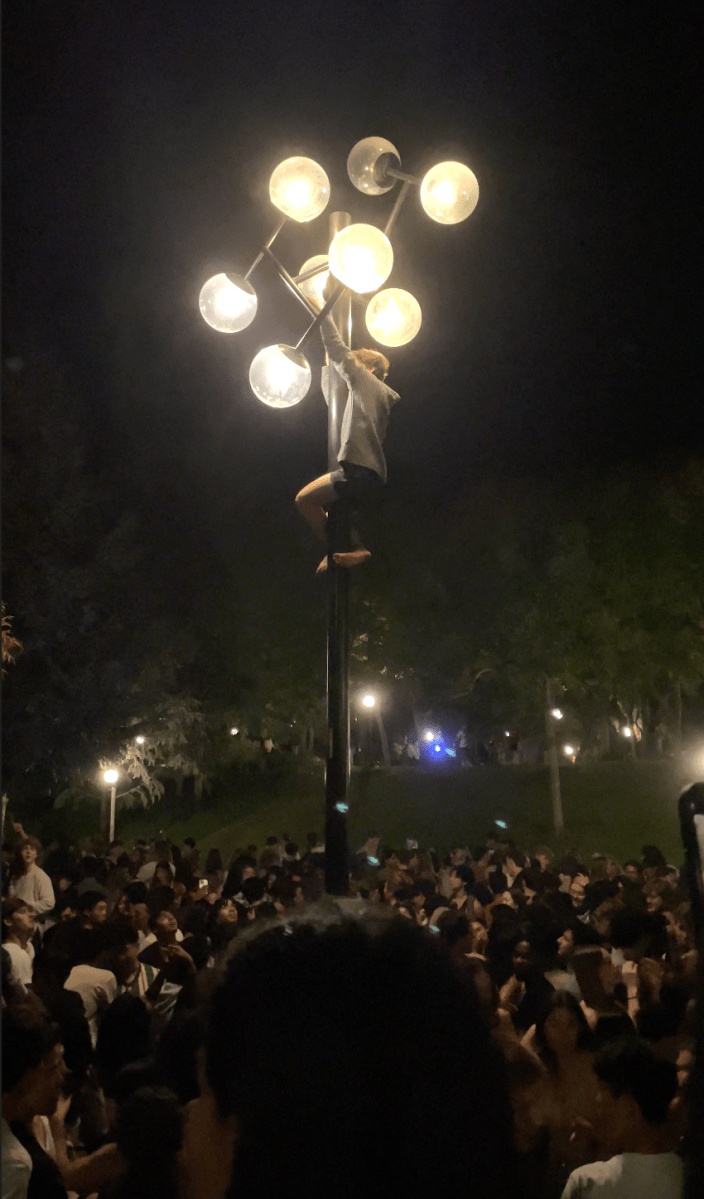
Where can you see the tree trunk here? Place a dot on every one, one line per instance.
(553, 761)
(386, 757)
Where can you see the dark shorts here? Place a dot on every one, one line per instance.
(356, 484)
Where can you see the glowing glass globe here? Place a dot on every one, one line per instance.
(393, 317)
(313, 288)
(449, 193)
(361, 257)
(279, 376)
(300, 189)
(367, 163)
(228, 303)
(111, 777)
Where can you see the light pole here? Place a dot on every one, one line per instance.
(360, 258)
(111, 777)
(553, 714)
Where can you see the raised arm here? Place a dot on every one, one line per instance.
(340, 354)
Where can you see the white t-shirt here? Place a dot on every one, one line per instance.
(16, 1165)
(628, 1176)
(34, 888)
(22, 961)
(94, 987)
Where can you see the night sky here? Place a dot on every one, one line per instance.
(559, 325)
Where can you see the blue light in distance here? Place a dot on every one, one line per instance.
(501, 823)
(372, 861)
(438, 749)
(342, 807)
(451, 752)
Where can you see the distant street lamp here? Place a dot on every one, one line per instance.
(360, 258)
(111, 777)
(557, 713)
(368, 701)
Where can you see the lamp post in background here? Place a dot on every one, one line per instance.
(360, 258)
(111, 777)
(552, 716)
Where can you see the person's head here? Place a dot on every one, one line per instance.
(544, 857)
(26, 854)
(561, 1028)
(372, 361)
(635, 1091)
(461, 877)
(602, 916)
(18, 920)
(149, 1130)
(638, 934)
(118, 949)
(527, 953)
(162, 876)
(213, 862)
(226, 912)
(33, 1067)
(164, 926)
(632, 870)
(654, 862)
(123, 1036)
(92, 909)
(352, 1042)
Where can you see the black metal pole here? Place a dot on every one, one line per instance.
(338, 721)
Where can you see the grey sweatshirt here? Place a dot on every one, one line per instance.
(369, 402)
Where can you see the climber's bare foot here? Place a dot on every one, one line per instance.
(323, 566)
(353, 558)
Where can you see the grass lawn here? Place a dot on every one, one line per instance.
(610, 807)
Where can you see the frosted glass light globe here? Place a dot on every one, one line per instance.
(449, 193)
(228, 303)
(300, 189)
(393, 317)
(279, 376)
(111, 777)
(367, 162)
(313, 288)
(361, 257)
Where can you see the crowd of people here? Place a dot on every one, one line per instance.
(494, 1019)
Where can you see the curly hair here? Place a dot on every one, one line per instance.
(373, 361)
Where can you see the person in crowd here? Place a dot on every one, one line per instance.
(107, 965)
(149, 1135)
(635, 1091)
(28, 881)
(162, 876)
(157, 855)
(80, 939)
(132, 908)
(18, 927)
(598, 979)
(527, 990)
(33, 1071)
(566, 1099)
(352, 1043)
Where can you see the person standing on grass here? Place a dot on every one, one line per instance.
(361, 472)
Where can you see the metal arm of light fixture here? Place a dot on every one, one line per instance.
(402, 175)
(310, 274)
(290, 281)
(267, 246)
(397, 207)
(329, 304)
